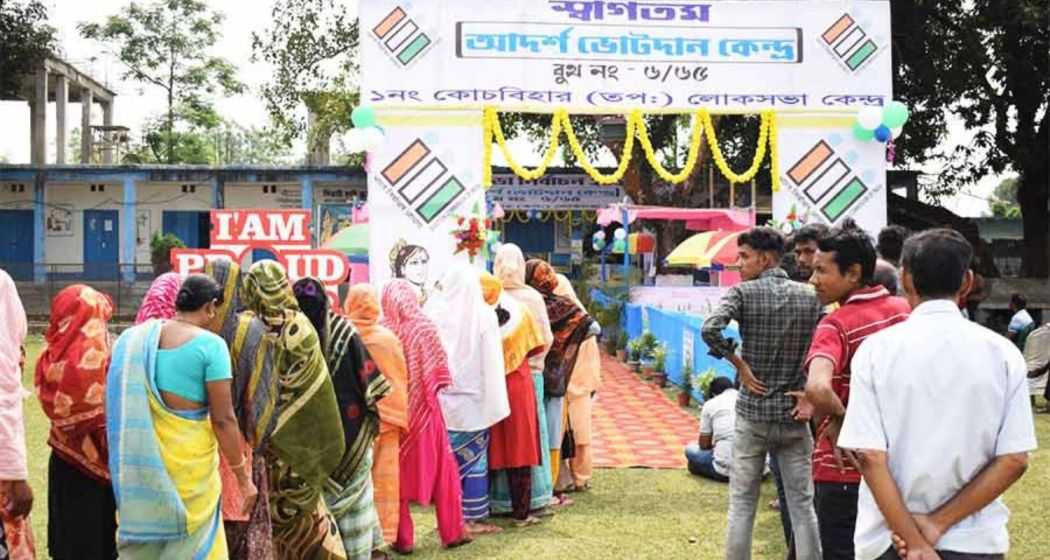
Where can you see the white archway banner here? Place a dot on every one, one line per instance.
(651, 54)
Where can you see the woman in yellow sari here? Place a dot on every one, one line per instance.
(168, 412)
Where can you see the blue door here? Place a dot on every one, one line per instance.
(16, 243)
(191, 227)
(101, 244)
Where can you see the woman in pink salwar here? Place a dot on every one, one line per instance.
(429, 472)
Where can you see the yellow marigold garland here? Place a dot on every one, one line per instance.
(702, 122)
(690, 160)
(719, 159)
(581, 156)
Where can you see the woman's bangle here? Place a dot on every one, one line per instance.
(240, 465)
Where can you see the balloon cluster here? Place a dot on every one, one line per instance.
(366, 135)
(598, 241)
(882, 124)
(619, 244)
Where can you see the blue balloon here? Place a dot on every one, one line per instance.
(883, 133)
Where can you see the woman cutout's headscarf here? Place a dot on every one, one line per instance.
(569, 324)
(509, 267)
(470, 335)
(159, 302)
(71, 378)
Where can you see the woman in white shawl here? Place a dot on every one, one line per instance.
(477, 398)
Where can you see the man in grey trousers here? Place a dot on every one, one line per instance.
(777, 317)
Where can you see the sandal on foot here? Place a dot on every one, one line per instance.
(527, 522)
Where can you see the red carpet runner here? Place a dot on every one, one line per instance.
(636, 425)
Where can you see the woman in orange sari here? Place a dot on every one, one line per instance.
(362, 308)
(71, 385)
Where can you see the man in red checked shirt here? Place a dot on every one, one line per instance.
(843, 273)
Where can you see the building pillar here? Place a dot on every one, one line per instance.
(86, 102)
(38, 114)
(40, 241)
(107, 120)
(308, 203)
(61, 100)
(127, 230)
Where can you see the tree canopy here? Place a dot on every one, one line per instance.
(167, 45)
(25, 41)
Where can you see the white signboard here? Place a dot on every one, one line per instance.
(827, 175)
(420, 180)
(651, 54)
(552, 192)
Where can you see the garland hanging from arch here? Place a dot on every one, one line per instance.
(702, 126)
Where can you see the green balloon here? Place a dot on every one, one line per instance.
(363, 116)
(895, 114)
(862, 134)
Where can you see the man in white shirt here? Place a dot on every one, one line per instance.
(1021, 323)
(712, 456)
(934, 471)
(1037, 356)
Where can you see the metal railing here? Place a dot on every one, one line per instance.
(38, 284)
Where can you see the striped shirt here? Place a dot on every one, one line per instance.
(776, 317)
(837, 338)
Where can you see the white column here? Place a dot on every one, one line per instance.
(86, 101)
(107, 120)
(38, 114)
(61, 99)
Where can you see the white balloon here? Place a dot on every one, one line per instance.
(870, 117)
(621, 233)
(896, 132)
(374, 138)
(600, 235)
(355, 140)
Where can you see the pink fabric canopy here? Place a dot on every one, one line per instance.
(696, 219)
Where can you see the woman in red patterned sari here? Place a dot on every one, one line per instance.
(429, 472)
(71, 385)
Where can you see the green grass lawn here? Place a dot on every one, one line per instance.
(630, 513)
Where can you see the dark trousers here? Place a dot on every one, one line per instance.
(891, 554)
(836, 505)
(785, 517)
(520, 482)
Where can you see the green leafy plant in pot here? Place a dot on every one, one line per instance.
(634, 354)
(687, 383)
(702, 381)
(647, 347)
(621, 346)
(160, 247)
(659, 374)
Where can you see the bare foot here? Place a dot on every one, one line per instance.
(527, 522)
(482, 529)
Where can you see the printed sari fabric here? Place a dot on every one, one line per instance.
(254, 394)
(71, 378)
(570, 326)
(307, 443)
(362, 308)
(358, 387)
(159, 302)
(164, 462)
(471, 451)
(428, 469)
(71, 387)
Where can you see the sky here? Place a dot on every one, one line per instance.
(136, 102)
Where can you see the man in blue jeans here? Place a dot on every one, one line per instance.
(712, 456)
(776, 317)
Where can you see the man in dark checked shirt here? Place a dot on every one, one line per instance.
(777, 317)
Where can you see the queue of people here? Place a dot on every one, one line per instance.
(893, 424)
(245, 417)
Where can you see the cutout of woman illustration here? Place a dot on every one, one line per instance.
(411, 263)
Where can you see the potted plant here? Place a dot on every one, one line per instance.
(687, 383)
(659, 374)
(160, 247)
(621, 347)
(702, 381)
(647, 344)
(634, 355)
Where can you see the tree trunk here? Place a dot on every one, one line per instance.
(1032, 196)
